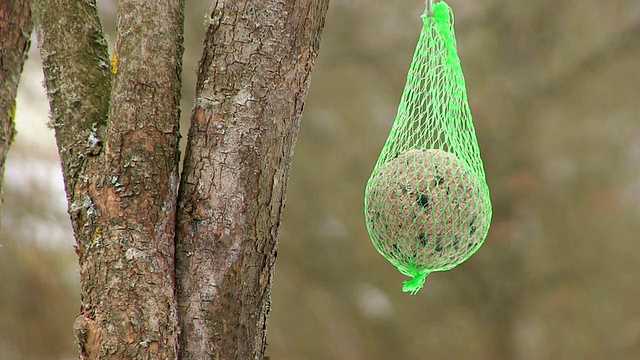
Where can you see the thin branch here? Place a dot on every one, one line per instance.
(600, 55)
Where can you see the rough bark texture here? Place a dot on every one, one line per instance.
(252, 84)
(15, 30)
(118, 143)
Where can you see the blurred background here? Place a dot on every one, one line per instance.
(554, 88)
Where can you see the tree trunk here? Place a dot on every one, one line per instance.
(117, 133)
(15, 30)
(252, 83)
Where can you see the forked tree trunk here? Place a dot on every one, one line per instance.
(252, 85)
(15, 30)
(117, 132)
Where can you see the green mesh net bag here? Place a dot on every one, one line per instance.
(427, 204)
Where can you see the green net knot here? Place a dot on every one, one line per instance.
(418, 278)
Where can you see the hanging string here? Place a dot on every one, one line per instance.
(429, 6)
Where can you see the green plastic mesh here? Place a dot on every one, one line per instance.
(427, 204)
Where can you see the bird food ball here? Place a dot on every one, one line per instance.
(425, 211)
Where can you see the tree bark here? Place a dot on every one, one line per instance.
(252, 83)
(117, 133)
(117, 136)
(15, 30)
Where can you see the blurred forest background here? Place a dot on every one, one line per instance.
(554, 88)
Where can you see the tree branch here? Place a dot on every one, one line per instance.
(15, 29)
(120, 166)
(252, 83)
(561, 81)
(77, 79)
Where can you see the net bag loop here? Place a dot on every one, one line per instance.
(427, 203)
